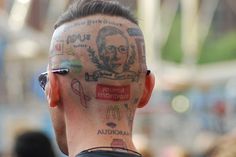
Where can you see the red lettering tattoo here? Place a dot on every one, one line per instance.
(113, 93)
(118, 143)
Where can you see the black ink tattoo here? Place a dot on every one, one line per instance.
(141, 53)
(130, 114)
(111, 125)
(78, 37)
(99, 21)
(113, 113)
(134, 32)
(78, 90)
(80, 45)
(113, 132)
(92, 22)
(114, 60)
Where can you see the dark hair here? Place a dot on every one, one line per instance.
(83, 8)
(33, 144)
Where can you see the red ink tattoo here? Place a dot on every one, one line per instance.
(118, 143)
(58, 47)
(113, 93)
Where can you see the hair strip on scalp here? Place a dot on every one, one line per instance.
(83, 8)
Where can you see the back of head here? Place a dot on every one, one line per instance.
(98, 49)
(33, 144)
(102, 46)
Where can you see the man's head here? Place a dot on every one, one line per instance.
(97, 73)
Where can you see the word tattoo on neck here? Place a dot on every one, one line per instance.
(78, 90)
(134, 32)
(113, 132)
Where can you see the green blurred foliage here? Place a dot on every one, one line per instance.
(172, 49)
(222, 48)
(219, 49)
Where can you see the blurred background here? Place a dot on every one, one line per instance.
(191, 48)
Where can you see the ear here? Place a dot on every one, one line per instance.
(52, 90)
(149, 85)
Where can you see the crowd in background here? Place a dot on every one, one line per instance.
(183, 119)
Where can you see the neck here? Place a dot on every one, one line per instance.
(85, 133)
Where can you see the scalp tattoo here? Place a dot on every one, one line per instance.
(57, 49)
(74, 65)
(134, 32)
(114, 59)
(138, 35)
(86, 22)
(77, 38)
(78, 90)
(104, 21)
(141, 53)
(60, 48)
(113, 93)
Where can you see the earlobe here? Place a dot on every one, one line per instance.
(52, 90)
(149, 85)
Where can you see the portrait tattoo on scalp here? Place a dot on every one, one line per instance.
(114, 58)
(116, 132)
(78, 90)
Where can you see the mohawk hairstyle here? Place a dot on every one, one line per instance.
(83, 8)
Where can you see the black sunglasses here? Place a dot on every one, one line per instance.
(43, 78)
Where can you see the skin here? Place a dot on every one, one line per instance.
(80, 120)
(117, 59)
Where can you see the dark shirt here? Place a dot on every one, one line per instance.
(107, 153)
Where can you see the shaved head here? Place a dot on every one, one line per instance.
(106, 61)
(97, 76)
(100, 51)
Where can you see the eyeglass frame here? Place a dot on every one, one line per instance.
(44, 76)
